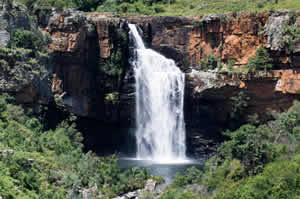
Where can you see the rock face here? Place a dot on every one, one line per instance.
(89, 61)
(91, 72)
(85, 47)
(211, 97)
(22, 75)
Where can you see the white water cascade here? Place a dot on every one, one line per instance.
(160, 132)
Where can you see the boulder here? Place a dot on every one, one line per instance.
(150, 185)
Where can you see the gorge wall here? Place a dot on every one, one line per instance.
(87, 47)
(91, 76)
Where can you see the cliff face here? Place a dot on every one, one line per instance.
(228, 36)
(92, 75)
(87, 47)
(90, 61)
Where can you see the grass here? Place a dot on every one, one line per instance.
(179, 7)
(200, 7)
(239, 70)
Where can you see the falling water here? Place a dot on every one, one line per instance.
(160, 130)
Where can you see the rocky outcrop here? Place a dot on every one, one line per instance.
(22, 74)
(84, 43)
(90, 68)
(149, 187)
(212, 97)
(89, 61)
(228, 36)
(289, 81)
(90, 52)
(272, 90)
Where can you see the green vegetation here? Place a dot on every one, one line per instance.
(167, 7)
(113, 66)
(21, 38)
(112, 98)
(258, 161)
(291, 34)
(261, 60)
(239, 104)
(37, 162)
(210, 63)
(44, 4)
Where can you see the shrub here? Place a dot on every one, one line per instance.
(210, 63)
(21, 38)
(251, 146)
(147, 195)
(260, 5)
(239, 105)
(112, 98)
(291, 33)
(261, 60)
(159, 8)
(230, 64)
(87, 5)
(113, 66)
(191, 176)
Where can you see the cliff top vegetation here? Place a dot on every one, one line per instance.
(167, 7)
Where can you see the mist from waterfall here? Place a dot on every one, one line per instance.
(160, 133)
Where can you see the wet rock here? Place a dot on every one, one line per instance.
(149, 187)
(132, 195)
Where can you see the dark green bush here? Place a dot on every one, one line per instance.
(251, 145)
(21, 38)
(146, 7)
(190, 176)
(261, 60)
(239, 105)
(292, 35)
(210, 63)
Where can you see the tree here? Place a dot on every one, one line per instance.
(261, 60)
(87, 5)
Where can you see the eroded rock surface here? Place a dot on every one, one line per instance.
(87, 47)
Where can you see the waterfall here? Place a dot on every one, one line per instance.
(160, 133)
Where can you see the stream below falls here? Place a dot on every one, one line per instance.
(167, 170)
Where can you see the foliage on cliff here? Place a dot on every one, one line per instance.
(259, 161)
(261, 60)
(24, 57)
(36, 162)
